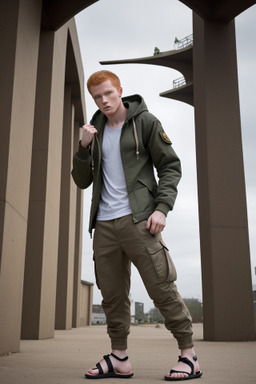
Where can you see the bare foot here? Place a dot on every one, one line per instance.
(120, 367)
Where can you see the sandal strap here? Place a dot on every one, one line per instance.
(109, 364)
(98, 366)
(188, 362)
(118, 358)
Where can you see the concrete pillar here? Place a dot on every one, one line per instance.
(65, 280)
(226, 272)
(19, 30)
(78, 244)
(43, 220)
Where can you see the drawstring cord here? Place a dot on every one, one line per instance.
(92, 149)
(136, 139)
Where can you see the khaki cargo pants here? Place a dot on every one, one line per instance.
(116, 244)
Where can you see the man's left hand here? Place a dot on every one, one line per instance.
(156, 222)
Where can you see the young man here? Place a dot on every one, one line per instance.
(117, 153)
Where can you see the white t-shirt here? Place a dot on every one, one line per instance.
(114, 200)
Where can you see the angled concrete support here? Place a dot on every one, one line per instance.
(43, 220)
(64, 298)
(78, 244)
(226, 272)
(52, 222)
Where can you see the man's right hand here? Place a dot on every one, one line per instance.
(87, 135)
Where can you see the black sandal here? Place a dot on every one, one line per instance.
(191, 375)
(111, 372)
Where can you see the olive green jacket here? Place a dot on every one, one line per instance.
(144, 146)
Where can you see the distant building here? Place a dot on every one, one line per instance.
(139, 312)
(98, 314)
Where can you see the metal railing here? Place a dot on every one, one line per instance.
(179, 82)
(178, 44)
(183, 43)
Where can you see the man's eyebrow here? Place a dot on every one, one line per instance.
(107, 90)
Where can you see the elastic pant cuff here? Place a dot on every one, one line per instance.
(185, 342)
(120, 344)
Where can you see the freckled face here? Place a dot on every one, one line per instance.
(107, 97)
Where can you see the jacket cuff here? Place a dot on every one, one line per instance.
(163, 208)
(83, 153)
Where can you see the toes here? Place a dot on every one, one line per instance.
(179, 375)
(93, 372)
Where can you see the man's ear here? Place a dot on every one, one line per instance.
(120, 91)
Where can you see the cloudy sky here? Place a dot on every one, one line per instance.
(120, 29)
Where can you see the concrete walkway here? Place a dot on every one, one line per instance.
(64, 359)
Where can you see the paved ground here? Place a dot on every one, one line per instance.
(64, 359)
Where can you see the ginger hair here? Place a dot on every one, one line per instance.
(100, 76)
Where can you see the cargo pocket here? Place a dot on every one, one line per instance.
(162, 262)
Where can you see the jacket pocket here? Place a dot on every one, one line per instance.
(142, 198)
(162, 262)
(149, 184)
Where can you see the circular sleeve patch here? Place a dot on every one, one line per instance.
(165, 138)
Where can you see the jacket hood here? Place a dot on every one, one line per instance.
(135, 105)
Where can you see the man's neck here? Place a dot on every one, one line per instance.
(118, 119)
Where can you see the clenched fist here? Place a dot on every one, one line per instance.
(87, 135)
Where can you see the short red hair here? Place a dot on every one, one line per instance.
(100, 76)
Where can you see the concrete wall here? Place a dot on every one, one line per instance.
(41, 108)
(86, 304)
(20, 32)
